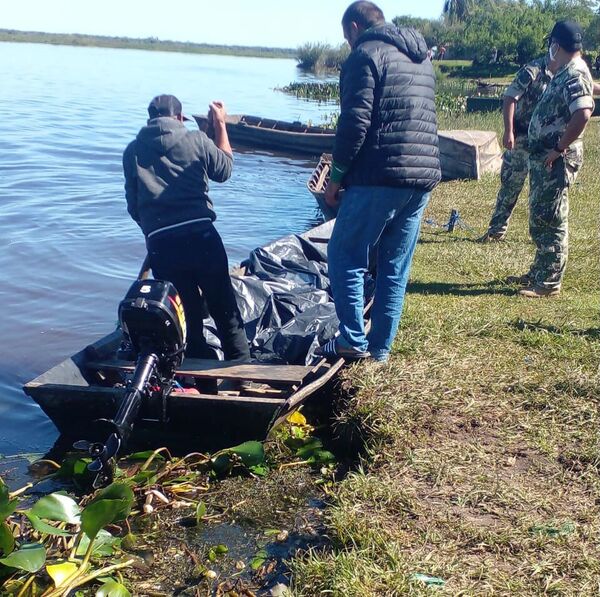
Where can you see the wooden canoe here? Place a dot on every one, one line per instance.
(88, 386)
(266, 133)
(466, 154)
(463, 154)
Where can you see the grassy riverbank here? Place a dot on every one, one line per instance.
(481, 465)
(149, 43)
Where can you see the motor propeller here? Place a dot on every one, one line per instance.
(103, 458)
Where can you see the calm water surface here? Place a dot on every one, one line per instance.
(68, 249)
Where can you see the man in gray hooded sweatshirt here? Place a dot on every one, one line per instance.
(167, 169)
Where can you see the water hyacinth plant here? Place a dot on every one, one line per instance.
(44, 542)
(64, 544)
(327, 91)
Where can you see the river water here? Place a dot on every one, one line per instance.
(68, 249)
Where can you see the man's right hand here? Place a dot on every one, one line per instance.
(332, 194)
(218, 113)
(508, 140)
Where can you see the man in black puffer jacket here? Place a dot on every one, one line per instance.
(386, 155)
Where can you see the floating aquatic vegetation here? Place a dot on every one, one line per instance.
(63, 542)
(326, 91)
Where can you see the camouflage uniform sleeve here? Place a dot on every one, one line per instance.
(523, 79)
(578, 92)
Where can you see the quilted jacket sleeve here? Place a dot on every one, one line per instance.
(357, 88)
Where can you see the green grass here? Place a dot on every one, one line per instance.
(481, 449)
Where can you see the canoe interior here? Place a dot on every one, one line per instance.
(90, 385)
(318, 182)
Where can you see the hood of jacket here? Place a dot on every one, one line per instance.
(408, 40)
(161, 134)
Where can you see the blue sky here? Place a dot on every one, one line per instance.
(276, 23)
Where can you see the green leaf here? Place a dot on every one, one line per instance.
(7, 540)
(200, 512)
(104, 544)
(109, 505)
(74, 468)
(250, 453)
(60, 572)
(432, 581)
(57, 506)
(260, 470)
(43, 527)
(321, 457)
(298, 433)
(144, 456)
(308, 449)
(113, 589)
(552, 531)
(7, 506)
(143, 478)
(259, 559)
(129, 541)
(30, 557)
(221, 549)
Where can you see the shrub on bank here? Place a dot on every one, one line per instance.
(318, 57)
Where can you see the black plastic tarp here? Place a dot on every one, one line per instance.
(285, 301)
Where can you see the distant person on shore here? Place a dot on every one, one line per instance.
(442, 52)
(556, 156)
(520, 99)
(386, 155)
(167, 168)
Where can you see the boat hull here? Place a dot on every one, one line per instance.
(249, 131)
(82, 389)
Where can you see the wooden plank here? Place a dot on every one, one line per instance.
(230, 400)
(297, 398)
(209, 369)
(303, 393)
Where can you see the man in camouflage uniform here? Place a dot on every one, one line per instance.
(556, 155)
(520, 100)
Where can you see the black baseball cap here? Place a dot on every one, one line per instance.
(568, 34)
(165, 105)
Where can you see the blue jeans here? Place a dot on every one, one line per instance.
(390, 218)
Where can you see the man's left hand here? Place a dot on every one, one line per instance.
(332, 194)
(551, 158)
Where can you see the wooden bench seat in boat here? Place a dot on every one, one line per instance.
(213, 369)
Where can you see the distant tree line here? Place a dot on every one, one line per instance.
(148, 43)
(512, 30)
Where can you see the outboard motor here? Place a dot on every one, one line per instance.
(153, 322)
